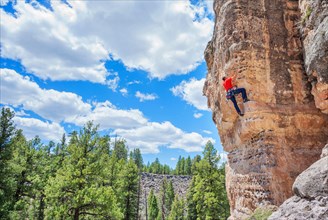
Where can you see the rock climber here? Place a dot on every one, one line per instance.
(233, 90)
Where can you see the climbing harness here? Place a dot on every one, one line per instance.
(230, 93)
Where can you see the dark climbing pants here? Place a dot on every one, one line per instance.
(233, 99)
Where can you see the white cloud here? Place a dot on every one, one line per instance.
(56, 106)
(47, 47)
(21, 113)
(192, 93)
(223, 157)
(209, 4)
(49, 104)
(73, 42)
(153, 135)
(113, 83)
(45, 130)
(134, 82)
(124, 91)
(207, 132)
(109, 117)
(3, 2)
(173, 158)
(145, 97)
(198, 115)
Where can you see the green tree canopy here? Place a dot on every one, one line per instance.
(79, 189)
(153, 210)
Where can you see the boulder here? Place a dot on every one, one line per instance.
(310, 201)
(313, 182)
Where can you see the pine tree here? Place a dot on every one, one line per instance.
(169, 198)
(7, 130)
(153, 210)
(30, 166)
(79, 189)
(177, 211)
(196, 159)
(137, 158)
(163, 189)
(129, 190)
(182, 167)
(188, 165)
(120, 150)
(166, 169)
(191, 204)
(208, 189)
(178, 167)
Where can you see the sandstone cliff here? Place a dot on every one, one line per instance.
(282, 132)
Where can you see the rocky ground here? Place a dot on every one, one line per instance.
(310, 200)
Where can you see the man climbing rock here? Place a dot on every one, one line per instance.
(233, 90)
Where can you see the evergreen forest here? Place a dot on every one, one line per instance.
(90, 176)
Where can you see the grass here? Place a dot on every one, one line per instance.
(262, 213)
(307, 14)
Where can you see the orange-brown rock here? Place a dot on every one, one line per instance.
(282, 132)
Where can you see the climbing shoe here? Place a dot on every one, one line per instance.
(246, 100)
(241, 114)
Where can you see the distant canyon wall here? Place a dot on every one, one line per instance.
(154, 181)
(279, 51)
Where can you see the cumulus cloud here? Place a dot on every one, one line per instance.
(192, 92)
(3, 2)
(44, 43)
(50, 104)
(223, 157)
(153, 135)
(198, 115)
(124, 91)
(145, 97)
(160, 37)
(45, 130)
(113, 83)
(109, 117)
(21, 113)
(131, 124)
(134, 82)
(207, 132)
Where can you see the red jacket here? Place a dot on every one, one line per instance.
(227, 84)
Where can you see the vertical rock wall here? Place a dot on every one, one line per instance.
(282, 132)
(314, 29)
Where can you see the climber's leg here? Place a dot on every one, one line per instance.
(233, 99)
(243, 93)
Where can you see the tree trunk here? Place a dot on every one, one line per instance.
(76, 214)
(41, 208)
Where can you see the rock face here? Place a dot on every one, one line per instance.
(311, 194)
(153, 181)
(314, 29)
(282, 132)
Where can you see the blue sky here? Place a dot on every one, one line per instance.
(134, 67)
